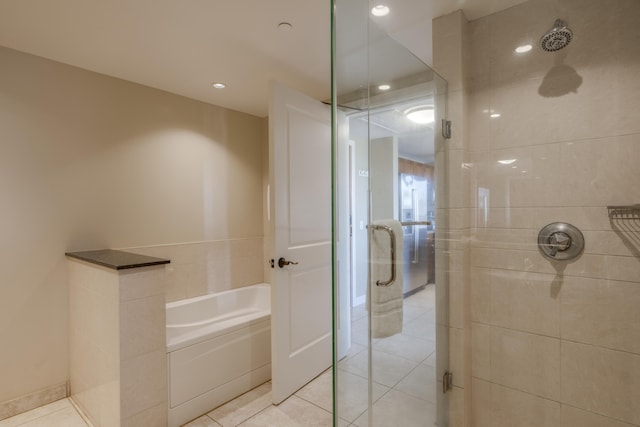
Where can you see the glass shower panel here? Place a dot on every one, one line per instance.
(389, 319)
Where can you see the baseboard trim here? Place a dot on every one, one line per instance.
(34, 400)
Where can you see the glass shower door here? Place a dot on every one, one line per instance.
(390, 272)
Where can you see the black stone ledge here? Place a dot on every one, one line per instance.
(117, 260)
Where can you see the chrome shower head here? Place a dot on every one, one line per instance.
(556, 38)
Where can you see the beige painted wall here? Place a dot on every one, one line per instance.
(88, 161)
(552, 344)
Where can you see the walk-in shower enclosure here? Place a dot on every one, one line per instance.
(543, 100)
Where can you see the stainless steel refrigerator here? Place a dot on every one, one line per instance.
(417, 203)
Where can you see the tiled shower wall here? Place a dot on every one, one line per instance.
(208, 267)
(554, 343)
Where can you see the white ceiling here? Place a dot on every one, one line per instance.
(181, 46)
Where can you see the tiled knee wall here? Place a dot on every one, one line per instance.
(208, 267)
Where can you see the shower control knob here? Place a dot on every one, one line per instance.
(560, 241)
(282, 262)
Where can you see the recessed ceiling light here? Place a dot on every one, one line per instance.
(380, 10)
(507, 161)
(218, 85)
(285, 26)
(422, 114)
(494, 115)
(524, 48)
(384, 87)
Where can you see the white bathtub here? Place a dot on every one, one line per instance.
(218, 347)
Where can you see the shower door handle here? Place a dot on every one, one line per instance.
(392, 237)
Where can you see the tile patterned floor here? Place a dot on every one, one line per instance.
(403, 385)
(57, 414)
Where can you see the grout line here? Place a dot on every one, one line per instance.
(80, 412)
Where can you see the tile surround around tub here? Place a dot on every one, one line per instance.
(201, 268)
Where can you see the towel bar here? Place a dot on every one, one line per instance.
(410, 223)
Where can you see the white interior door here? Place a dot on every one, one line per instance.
(300, 178)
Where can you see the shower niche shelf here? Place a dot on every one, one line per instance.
(624, 212)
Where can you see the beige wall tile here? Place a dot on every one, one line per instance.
(458, 176)
(142, 326)
(459, 218)
(586, 265)
(481, 351)
(457, 414)
(624, 241)
(447, 48)
(481, 295)
(202, 268)
(511, 408)
(456, 113)
(481, 403)
(443, 361)
(622, 268)
(601, 381)
(506, 238)
(456, 356)
(526, 301)
(529, 293)
(142, 282)
(142, 387)
(574, 417)
(456, 298)
(526, 362)
(155, 416)
(601, 312)
(583, 217)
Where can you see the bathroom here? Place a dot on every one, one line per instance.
(98, 162)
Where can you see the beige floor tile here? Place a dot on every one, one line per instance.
(67, 417)
(388, 369)
(36, 413)
(420, 383)
(354, 349)
(426, 298)
(422, 327)
(293, 412)
(238, 410)
(431, 360)
(411, 348)
(359, 331)
(203, 421)
(397, 409)
(358, 312)
(319, 391)
(352, 399)
(411, 312)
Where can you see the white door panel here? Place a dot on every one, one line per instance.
(300, 168)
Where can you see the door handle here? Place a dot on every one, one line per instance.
(282, 262)
(392, 237)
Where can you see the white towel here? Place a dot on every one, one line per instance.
(385, 304)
